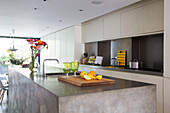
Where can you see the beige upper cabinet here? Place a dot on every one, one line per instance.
(142, 20)
(93, 30)
(112, 26)
(97, 29)
(87, 32)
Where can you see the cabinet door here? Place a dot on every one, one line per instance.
(52, 49)
(87, 32)
(70, 44)
(112, 26)
(166, 95)
(57, 47)
(63, 46)
(47, 52)
(142, 20)
(97, 29)
(158, 81)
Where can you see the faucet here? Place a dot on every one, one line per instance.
(44, 64)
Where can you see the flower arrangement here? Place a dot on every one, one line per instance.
(36, 47)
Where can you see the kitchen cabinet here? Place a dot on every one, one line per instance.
(142, 20)
(57, 47)
(47, 52)
(52, 49)
(64, 45)
(112, 26)
(158, 81)
(166, 95)
(70, 44)
(87, 32)
(167, 40)
(97, 29)
(92, 31)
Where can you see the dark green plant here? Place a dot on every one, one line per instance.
(3, 59)
(15, 61)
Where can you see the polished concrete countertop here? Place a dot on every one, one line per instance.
(141, 71)
(59, 88)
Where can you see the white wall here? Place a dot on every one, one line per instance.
(167, 56)
(167, 38)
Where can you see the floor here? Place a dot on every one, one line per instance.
(4, 106)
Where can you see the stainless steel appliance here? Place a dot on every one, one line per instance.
(114, 62)
(135, 64)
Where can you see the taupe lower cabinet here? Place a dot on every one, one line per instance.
(142, 18)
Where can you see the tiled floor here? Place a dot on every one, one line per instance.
(4, 106)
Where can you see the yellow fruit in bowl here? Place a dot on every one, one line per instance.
(99, 77)
(86, 77)
(83, 73)
(92, 73)
(91, 76)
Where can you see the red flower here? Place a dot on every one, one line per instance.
(35, 40)
(38, 54)
(37, 44)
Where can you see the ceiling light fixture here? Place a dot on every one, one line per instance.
(80, 10)
(96, 2)
(12, 49)
(35, 9)
(60, 20)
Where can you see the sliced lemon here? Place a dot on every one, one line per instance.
(86, 77)
(83, 73)
(75, 63)
(99, 77)
(91, 76)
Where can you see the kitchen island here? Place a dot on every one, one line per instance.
(33, 93)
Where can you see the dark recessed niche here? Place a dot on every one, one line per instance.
(149, 50)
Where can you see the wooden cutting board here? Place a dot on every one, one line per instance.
(82, 82)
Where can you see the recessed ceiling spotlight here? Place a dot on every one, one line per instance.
(60, 20)
(96, 2)
(35, 9)
(48, 27)
(80, 10)
(44, 0)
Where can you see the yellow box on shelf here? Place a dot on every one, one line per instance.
(122, 57)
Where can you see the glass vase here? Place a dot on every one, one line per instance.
(34, 65)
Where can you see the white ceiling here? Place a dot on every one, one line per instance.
(27, 22)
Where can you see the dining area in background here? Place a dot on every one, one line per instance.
(3, 86)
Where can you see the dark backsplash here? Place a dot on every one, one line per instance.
(147, 49)
(104, 50)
